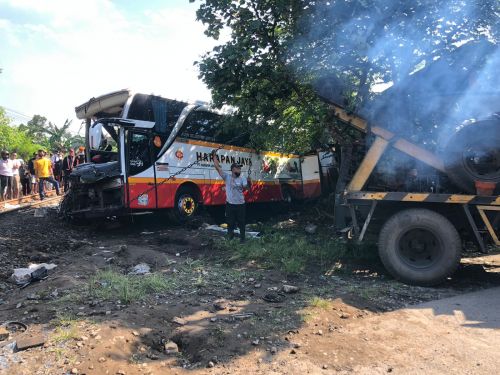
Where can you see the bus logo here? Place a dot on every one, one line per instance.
(179, 154)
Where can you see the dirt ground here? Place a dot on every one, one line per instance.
(203, 315)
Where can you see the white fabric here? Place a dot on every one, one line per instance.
(6, 167)
(16, 164)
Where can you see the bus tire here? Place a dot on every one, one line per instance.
(419, 247)
(186, 205)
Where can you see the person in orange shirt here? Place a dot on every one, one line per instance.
(43, 172)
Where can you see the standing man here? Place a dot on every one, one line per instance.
(235, 200)
(67, 167)
(43, 171)
(31, 170)
(56, 162)
(5, 176)
(16, 164)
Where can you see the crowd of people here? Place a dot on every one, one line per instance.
(40, 173)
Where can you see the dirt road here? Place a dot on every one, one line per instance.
(199, 312)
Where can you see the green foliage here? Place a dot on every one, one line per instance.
(111, 285)
(279, 49)
(50, 135)
(288, 251)
(36, 134)
(14, 138)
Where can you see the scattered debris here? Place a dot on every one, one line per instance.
(34, 272)
(220, 229)
(290, 289)
(40, 212)
(220, 304)
(171, 347)
(4, 334)
(26, 342)
(243, 316)
(273, 297)
(311, 228)
(179, 321)
(140, 269)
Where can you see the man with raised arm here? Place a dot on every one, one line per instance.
(235, 200)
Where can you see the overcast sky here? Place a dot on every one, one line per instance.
(56, 54)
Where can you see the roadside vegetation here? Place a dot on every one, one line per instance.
(292, 251)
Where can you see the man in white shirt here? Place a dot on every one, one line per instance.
(5, 176)
(16, 164)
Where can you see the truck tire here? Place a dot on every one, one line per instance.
(186, 205)
(419, 247)
(473, 154)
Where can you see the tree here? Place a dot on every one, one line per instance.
(50, 135)
(12, 138)
(278, 51)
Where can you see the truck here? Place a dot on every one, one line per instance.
(425, 204)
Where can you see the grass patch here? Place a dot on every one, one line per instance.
(320, 303)
(63, 334)
(290, 251)
(66, 328)
(111, 285)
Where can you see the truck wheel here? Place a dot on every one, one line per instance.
(420, 247)
(473, 154)
(186, 205)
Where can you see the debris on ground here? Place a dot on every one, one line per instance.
(179, 321)
(40, 212)
(27, 342)
(311, 228)
(221, 229)
(33, 272)
(140, 269)
(171, 347)
(290, 289)
(274, 297)
(4, 333)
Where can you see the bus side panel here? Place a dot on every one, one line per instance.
(166, 194)
(142, 194)
(311, 177)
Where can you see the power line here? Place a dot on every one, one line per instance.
(16, 113)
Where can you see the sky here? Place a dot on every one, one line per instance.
(57, 54)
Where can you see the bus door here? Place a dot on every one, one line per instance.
(311, 182)
(141, 174)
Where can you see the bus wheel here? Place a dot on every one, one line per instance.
(186, 205)
(420, 247)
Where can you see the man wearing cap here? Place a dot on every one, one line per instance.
(235, 200)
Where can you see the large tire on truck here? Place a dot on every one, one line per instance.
(473, 154)
(419, 247)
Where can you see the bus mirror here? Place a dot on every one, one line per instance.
(95, 136)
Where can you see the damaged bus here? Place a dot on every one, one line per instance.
(148, 153)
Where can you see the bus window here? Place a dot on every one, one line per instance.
(139, 158)
(201, 125)
(163, 112)
(141, 108)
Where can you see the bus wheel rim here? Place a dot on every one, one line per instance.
(187, 205)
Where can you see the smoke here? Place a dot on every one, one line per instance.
(440, 56)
